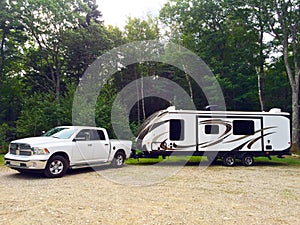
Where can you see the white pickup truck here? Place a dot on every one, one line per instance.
(66, 147)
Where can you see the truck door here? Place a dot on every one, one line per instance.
(84, 147)
(92, 146)
(100, 146)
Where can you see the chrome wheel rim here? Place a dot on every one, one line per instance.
(248, 160)
(56, 167)
(229, 160)
(119, 160)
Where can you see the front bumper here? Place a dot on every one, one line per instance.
(27, 162)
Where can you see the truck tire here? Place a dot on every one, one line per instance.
(56, 167)
(247, 160)
(229, 160)
(118, 160)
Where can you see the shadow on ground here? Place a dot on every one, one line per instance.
(139, 163)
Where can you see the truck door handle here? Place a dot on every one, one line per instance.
(90, 145)
(106, 144)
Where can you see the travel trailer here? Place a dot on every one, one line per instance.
(222, 135)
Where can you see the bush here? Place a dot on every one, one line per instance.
(4, 130)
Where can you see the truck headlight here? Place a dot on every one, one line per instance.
(40, 151)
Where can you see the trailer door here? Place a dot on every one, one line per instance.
(230, 134)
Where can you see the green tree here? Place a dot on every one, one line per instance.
(277, 86)
(39, 113)
(283, 17)
(280, 19)
(138, 30)
(12, 39)
(46, 27)
(222, 39)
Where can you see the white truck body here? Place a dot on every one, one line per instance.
(79, 146)
(216, 133)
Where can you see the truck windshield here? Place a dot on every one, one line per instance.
(53, 131)
(64, 134)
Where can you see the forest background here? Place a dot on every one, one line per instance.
(252, 47)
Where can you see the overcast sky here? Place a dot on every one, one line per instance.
(115, 12)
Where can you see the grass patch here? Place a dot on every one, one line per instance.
(2, 160)
(170, 159)
(287, 161)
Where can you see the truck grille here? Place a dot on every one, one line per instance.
(20, 149)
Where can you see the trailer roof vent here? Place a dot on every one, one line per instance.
(211, 107)
(171, 108)
(275, 110)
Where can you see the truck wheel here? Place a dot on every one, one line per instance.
(229, 160)
(118, 160)
(247, 160)
(56, 167)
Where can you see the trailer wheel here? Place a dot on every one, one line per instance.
(118, 160)
(229, 160)
(247, 160)
(56, 167)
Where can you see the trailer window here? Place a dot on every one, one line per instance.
(243, 127)
(211, 129)
(176, 130)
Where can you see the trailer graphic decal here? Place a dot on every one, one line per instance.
(219, 122)
(221, 138)
(256, 139)
(241, 138)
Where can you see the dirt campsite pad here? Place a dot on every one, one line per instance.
(268, 193)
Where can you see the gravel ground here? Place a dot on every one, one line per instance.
(262, 194)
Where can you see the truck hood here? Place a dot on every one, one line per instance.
(37, 141)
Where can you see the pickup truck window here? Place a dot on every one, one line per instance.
(90, 135)
(84, 135)
(98, 135)
(64, 134)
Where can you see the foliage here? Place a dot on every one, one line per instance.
(287, 161)
(4, 129)
(223, 41)
(1, 160)
(39, 113)
(195, 160)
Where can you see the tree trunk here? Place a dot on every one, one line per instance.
(261, 82)
(294, 82)
(143, 100)
(57, 87)
(189, 84)
(261, 72)
(137, 92)
(4, 32)
(295, 121)
(261, 94)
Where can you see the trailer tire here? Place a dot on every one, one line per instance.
(229, 160)
(118, 160)
(247, 160)
(56, 167)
